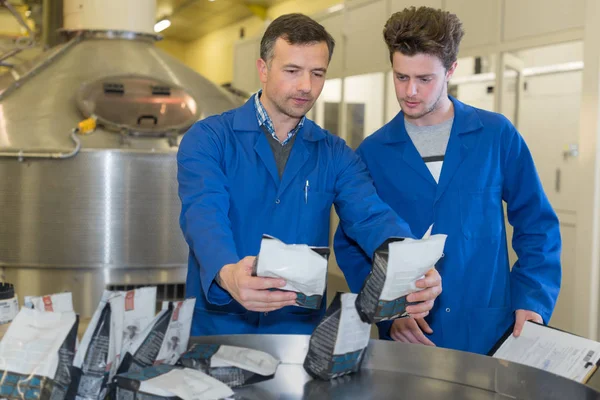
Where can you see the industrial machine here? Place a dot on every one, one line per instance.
(84, 209)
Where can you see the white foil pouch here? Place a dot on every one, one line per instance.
(140, 310)
(36, 354)
(304, 269)
(58, 302)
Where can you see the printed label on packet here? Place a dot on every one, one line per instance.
(129, 300)
(48, 303)
(176, 310)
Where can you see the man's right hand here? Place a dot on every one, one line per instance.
(252, 291)
(410, 330)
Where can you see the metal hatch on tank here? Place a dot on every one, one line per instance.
(103, 212)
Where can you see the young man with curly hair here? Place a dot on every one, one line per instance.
(443, 162)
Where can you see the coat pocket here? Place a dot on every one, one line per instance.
(481, 213)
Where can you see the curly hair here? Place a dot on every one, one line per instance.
(424, 30)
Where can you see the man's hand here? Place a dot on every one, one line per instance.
(410, 330)
(251, 291)
(525, 315)
(432, 284)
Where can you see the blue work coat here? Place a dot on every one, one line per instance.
(231, 195)
(486, 162)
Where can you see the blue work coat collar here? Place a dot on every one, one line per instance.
(462, 141)
(245, 122)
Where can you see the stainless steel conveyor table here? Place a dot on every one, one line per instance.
(394, 370)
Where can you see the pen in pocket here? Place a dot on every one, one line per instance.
(306, 187)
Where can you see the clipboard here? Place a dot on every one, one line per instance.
(593, 367)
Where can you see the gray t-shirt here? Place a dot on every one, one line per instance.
(431, 142)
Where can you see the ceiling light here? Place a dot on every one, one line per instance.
(335, 8)
(162, 25)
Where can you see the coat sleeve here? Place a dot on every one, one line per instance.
(204, 195)
(535, 277)
(354, 259)
(355, 265)
(364, 217)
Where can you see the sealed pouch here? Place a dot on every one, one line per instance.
(397, 265)
(169, 382)
(36, 354)
(337, 346)
(140, 310)
(164, 339)
(58, 302)
(304, 269)
(98, 355)
(234, 366)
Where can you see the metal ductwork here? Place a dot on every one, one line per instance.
(85, 212)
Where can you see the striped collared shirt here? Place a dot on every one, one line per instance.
(264, 120)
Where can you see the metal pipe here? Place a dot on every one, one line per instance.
(34, 71)
(30, 40)
(21, 155)
(52, 21)
(9, 54)
(18, 17)
(16, 51)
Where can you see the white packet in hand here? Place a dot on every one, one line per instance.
(304, 269)
(397, 265)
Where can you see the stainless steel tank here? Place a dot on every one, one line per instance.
(82, 212)
(394, 370)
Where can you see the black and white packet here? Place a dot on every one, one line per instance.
(168, 382)
(234, 366)
(164, 340)
(397, 264)
(338, 344)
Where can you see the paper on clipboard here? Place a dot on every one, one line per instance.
(552, 350)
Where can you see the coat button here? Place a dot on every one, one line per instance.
(266, 314)
(447, 310)
(277, 201)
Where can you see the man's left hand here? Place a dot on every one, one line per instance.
(432, 287)
(525, 315)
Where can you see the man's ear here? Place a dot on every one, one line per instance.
(451, 70)
(263, 70)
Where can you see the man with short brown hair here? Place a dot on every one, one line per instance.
(264, 168)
